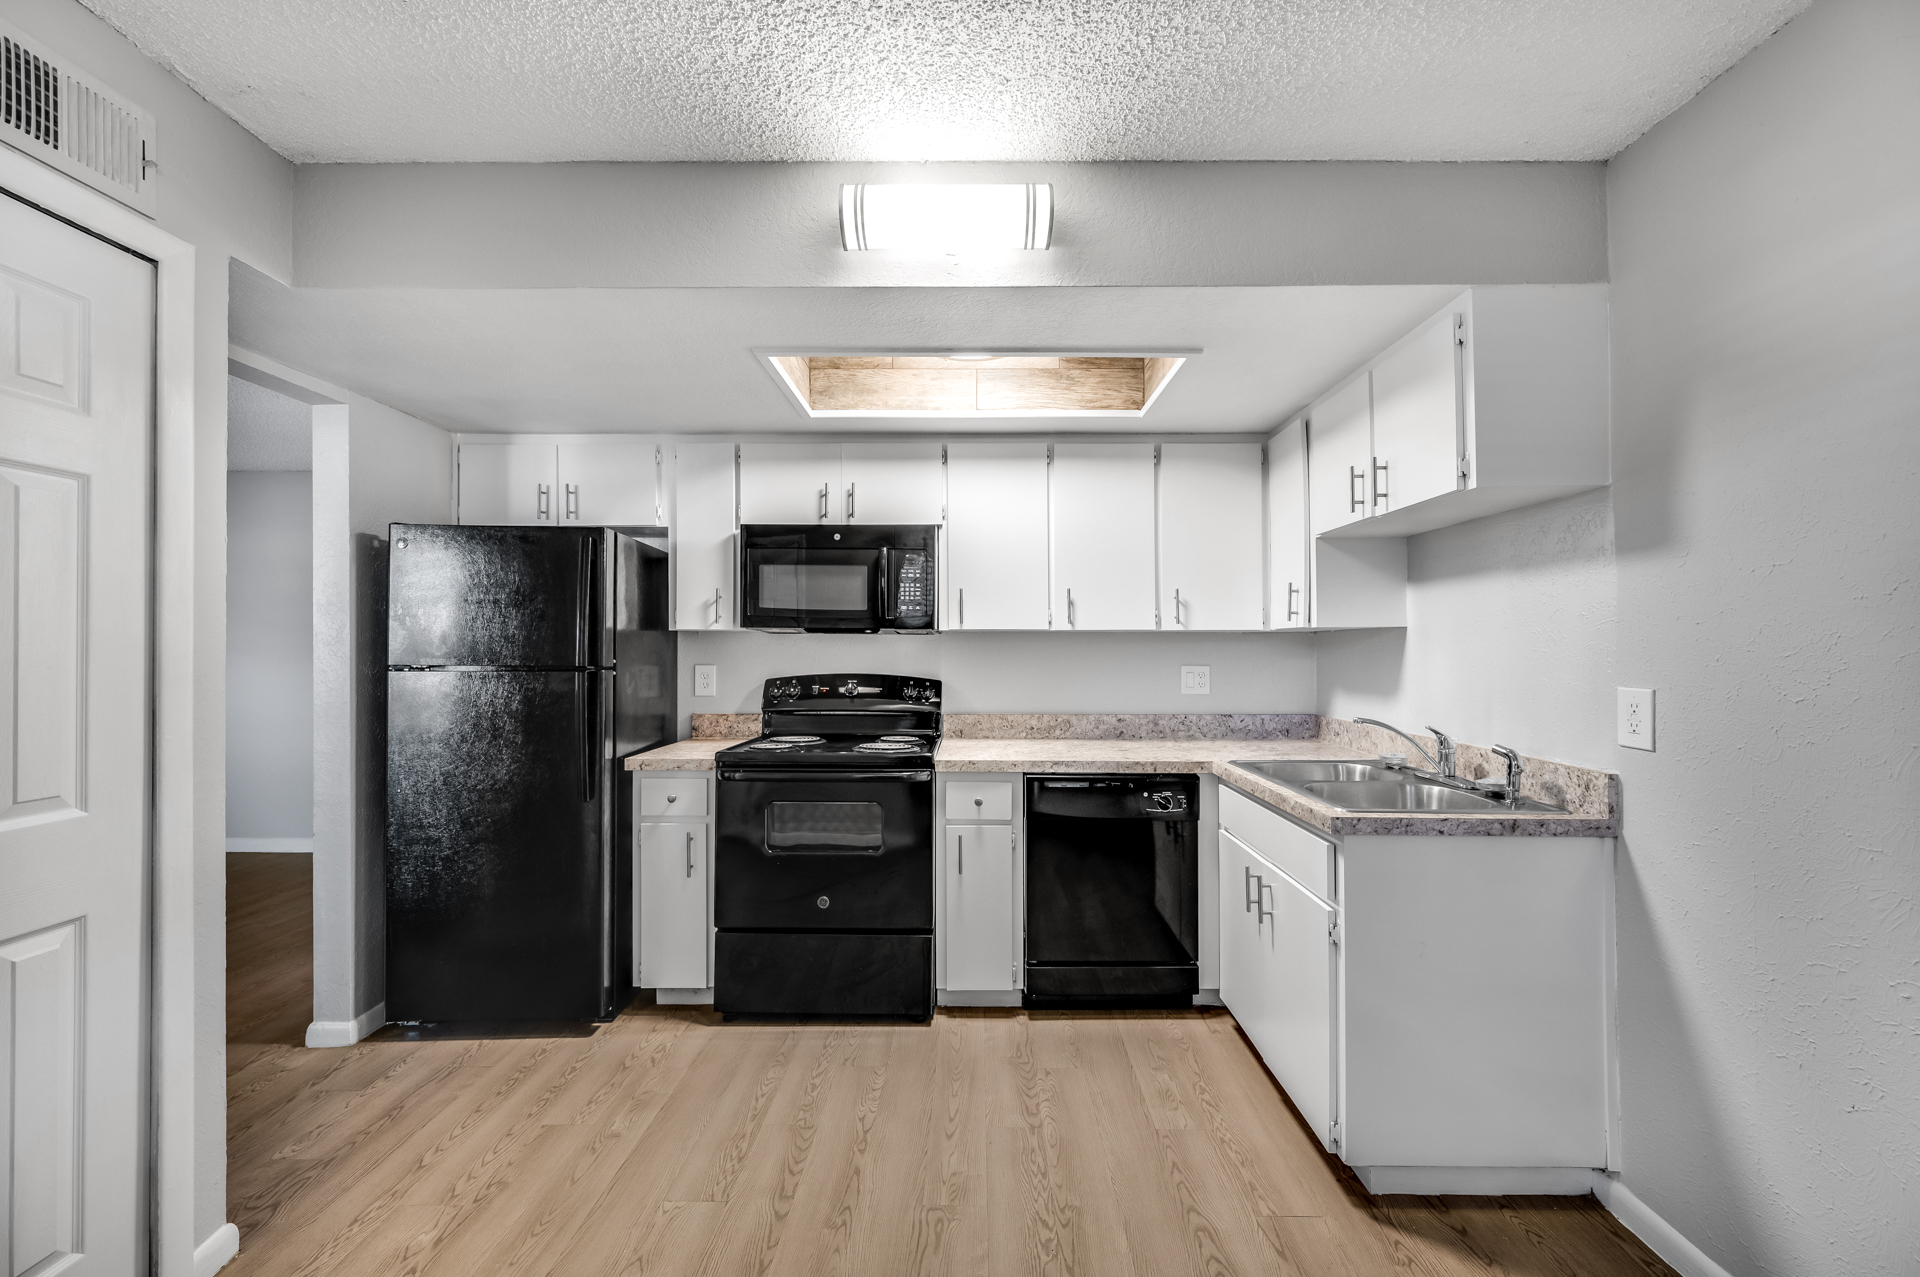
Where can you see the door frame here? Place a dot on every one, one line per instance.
(176, 1037)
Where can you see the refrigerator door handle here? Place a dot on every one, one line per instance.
(589, 701)
(583, 605)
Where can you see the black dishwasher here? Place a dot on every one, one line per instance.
(1112, 891)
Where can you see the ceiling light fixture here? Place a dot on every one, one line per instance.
(932, 217)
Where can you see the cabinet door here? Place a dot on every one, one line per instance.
(1339, 455)
(616, 482)
(1416, 419)
(1101, 497)
(704, 558)
(1242, 951)
(1287, 528)
(1296, 1038)
(996, 535)
(791, 483)
(1210, 525)
(512, 483)
(897, 481)
(977, 929)
(675, 917)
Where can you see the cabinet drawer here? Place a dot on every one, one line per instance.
(1308, 859)
(672, 798)
(979, 800)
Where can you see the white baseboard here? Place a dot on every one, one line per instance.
(683, 997)
(977, 997)
(1478, 1181)
(271, 844)
(213, 1254)
(346, 1032)
(1208, 998)
(1662, 1238)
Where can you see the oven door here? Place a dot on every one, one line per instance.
(809, 588)
(824, 851)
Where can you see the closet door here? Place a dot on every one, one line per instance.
(611, 482)
(1211, 556)
(1287, 540)
(893, 481)
(1102, 502)
(1340, 455)
(996, 570)
(1417, 434)
(791, 483)
(510, 483)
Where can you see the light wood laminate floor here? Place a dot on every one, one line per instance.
(991, 1142)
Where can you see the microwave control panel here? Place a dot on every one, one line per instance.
(913, 592)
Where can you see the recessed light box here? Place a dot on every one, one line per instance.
(975, 384)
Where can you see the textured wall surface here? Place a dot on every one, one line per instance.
(1766, 294)
(270, 654)
(975, 79)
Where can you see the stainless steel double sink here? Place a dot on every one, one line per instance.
(1361, 786)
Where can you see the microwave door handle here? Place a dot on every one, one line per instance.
(886, 581)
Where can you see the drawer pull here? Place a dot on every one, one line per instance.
(689, 853)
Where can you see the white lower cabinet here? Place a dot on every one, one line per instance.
(977, 877)
(1445, 1005)
(672, 883)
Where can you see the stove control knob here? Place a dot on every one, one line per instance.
(822, 902)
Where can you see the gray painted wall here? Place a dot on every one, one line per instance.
(270, 655)
(1029, 673)
(1765, 246)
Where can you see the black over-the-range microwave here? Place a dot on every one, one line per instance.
(818, 578)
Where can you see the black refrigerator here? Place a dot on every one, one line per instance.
(523, 666)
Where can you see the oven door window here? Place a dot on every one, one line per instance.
(799, 586)
(825, 829)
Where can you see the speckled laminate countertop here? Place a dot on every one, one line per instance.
(1591, 797)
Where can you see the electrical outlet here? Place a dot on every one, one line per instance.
(706, 680)
(1634, 715)
(1195, 680)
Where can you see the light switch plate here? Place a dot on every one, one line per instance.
(1634, 715)
(706, 680)
(1195, 680)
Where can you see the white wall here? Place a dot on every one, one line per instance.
(1766, 343)
(776, 225)
(228, 195)
(1021, 673)
(1510, 636)
(269, 660)
(1766, 294)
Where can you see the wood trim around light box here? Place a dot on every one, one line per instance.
(796, 376)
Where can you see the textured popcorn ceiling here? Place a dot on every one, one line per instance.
(371, 80)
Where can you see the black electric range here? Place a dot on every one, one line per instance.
(824, 864)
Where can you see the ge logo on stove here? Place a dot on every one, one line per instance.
(822, 902)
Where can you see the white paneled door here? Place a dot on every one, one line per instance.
(76, 371)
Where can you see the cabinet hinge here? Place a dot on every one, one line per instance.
(1459, 330)
(1333, 1134)
(1333, 929)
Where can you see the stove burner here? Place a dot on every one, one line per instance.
(770, 744)
(911, 740)
(883, 747)
(797, 740)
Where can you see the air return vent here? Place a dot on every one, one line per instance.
(66, 118)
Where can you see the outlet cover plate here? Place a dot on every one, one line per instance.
(1196, 680)
(1634, 717)
(706, 680)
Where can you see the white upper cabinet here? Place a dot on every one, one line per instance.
(1340, 455)
(1287, 539)
(705, 548)
(513, 483)
(1498, 402)
(1102, 498)
(1418, 442)
(1210, 526)
(613, 482)
(996, 575)
(791, 483)
(893, 481)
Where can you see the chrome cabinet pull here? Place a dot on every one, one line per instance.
(573, 500)
(716, 605)
(963, 605)
(1380, 492)
(1252, 892)
(960, 860)
(545, 508)
(1266, 914)
(823, 503)
(689, 853)
(1069, 607)
(1176, 608)
(1356, 484)
(1293, 613)
(849, 503)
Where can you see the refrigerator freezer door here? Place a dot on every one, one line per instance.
(509, 596)
(496, 846)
